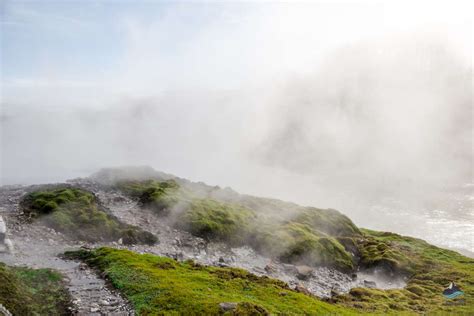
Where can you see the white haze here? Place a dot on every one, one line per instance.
(333, 105)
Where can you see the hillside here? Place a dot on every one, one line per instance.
(211, 250)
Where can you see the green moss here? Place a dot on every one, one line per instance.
(311, 237)
(26, 291)
(159, 196)
(430, 269)
(328, 221)
(190, 289)
(76, 213)
(217, 221)
(326, 237)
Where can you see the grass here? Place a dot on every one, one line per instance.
(25, 291)
(430, 270)
(157, 286)
(326, 237)
(76, 213)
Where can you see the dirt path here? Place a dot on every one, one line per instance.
(38, 247)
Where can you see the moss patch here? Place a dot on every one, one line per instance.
(190, 289)
(76, 213)
(160, 196)
(217, 221)
(25, 291)
(205, 218)
(311, 237)
(430, 270)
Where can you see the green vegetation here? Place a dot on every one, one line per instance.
(157, 285)
(156, 195)
(26, 291)
(217, 221)
(205, 218)
(298, 243)
(326, 237)
(312, 237)
(430, 269)
(76, 213)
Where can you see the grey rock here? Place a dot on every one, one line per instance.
(227, 306)
(303, 272)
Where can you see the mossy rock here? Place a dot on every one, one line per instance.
(76, 213)
(214, 220)
(328, 221)
(159, 196)
(429, 270)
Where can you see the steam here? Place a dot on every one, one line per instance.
(327, 105)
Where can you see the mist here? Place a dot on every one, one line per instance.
(322, 104)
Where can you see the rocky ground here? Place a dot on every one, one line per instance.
(37, 246)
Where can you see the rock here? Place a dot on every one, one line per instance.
(104, 302)
(354, 276)
(370, 284)
(303, 272)
(334, 293)
(9, 245)
(120, 241)
(301, 289)
(118, 199)
(225, 307)
(94, 309)
(288, 267)
(269, 268)
(82, 266)
(221, 260)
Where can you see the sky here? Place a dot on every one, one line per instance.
(304, 101)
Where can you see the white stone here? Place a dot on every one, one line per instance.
(3, 227)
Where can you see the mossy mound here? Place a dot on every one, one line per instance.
(327, 221)
(214, 220)
(159, 196)
(430, 270)
(26, 291)
(202, 217)
(76, 213)
(157, 286)
(297, 243)
(311, 237)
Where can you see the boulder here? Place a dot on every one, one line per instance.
(227, 306)
(270, 268)
(303, 272)
(370, 284)
(301, 289)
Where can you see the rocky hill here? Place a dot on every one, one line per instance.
(135, 240)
